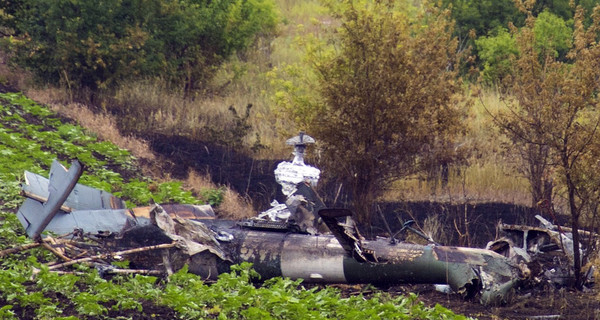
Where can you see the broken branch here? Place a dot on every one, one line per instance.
(102, 256)
(56, 252)
(19, 248)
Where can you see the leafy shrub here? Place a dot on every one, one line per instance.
(99, 44)
(214, 197)
(496, 53)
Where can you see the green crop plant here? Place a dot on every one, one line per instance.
(214, 197)
(6, 313)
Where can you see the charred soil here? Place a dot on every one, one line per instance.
(463, 224)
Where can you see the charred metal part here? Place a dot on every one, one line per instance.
(260, 224)
(545, 252)
(184, 211)
(387, 226)
(321, 258)
(346, 234)
(298, 214)
(408, 226)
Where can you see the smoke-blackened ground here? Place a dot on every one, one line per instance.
(465, 224)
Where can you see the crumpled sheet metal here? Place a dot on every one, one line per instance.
(319, 258)
(87, 221)
(468, 271)
(530, 239)
(193, 237)
(60, 205)
(86, 209)
(546, 252)
(183, 211)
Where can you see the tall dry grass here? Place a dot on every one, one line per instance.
(490, 173)
(233, 206)
(241, 81)
(103, 125)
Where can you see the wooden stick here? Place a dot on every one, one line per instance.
(136, 271)
(35, 244)
(103, 256)
(56, 252)
(19, 248)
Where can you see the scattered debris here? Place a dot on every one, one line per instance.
(546, 251)
(299, 239)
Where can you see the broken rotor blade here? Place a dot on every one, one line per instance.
(62, 182)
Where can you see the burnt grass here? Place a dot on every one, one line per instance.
(466, 224)
(248, 176)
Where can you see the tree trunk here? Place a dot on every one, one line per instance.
(363, 198)
(575, 226)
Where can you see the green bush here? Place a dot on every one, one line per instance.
(553, 36)
(496, 53)
(97, 44)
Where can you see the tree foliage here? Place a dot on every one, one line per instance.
(481, 23)
(386, 93)
(553, 35)
(496, 52)
(482, 16)
(555, 110)
(96, 44)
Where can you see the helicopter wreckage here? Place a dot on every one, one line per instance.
(298, 239)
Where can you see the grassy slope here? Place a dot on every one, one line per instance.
(31, 136)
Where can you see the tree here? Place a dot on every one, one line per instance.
(555, 108)
(496, 52)
(99, 44)
(483, 18)
(387, 93)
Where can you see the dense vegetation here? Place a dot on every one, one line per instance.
(370, 98)
(95, 45)
(31, 136)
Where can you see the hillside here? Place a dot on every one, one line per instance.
(148, 139)
(31, 136)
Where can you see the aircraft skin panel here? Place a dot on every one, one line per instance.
(318, 259)
(81, 198)
(103, 221)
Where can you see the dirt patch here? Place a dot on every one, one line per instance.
(548, 304)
